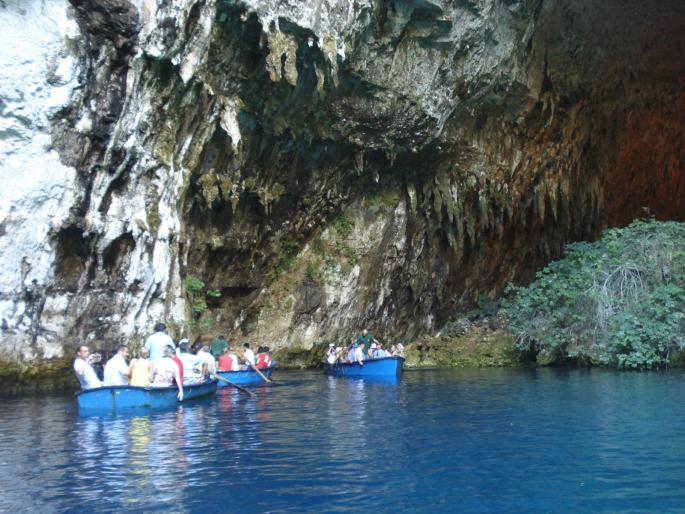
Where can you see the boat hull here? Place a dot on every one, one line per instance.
(243, 377)
(131, 397)
(383, 367)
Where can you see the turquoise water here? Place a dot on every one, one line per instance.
(445, 441)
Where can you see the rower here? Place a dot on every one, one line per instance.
(249, 356)
(84, 370)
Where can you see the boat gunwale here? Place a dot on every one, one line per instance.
(343, 364)
(146, 388)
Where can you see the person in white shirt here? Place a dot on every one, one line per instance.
(206, 356)
(116, 369)
(331, 355)
(248, 355)
(165, 372)
(235, 361)
(194, 368)
(359, 355)
(84, 371)
(157, 341)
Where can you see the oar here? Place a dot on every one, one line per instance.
(266, 379)
(241, 388)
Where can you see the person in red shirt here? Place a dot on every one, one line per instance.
(263, 359)
(178, 362)
(226, 360)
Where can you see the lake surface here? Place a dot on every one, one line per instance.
(436, 441)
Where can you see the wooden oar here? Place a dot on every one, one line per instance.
(241, 388)
(266, 379)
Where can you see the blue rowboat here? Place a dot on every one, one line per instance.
(131, 397)
(244, 377)
(383, 367)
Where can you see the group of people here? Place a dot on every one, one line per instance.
(363, 347)
(162, 363)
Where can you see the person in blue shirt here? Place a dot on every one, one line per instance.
(351, 352)
(379, 352)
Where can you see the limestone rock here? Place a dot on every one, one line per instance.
(325, 165)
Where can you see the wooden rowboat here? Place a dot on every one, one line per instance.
(383, 367)
(131, 397)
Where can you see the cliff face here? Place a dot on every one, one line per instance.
(325, 165)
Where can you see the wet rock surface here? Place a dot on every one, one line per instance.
(326, 165)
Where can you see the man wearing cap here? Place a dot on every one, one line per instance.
(372, 350)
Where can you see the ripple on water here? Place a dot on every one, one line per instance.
(477, 441)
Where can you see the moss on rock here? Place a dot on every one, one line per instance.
(49, 374)
(478, 348)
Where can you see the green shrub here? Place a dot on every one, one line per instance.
(618, 301)
(196, 294)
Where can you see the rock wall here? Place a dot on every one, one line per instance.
(324, 165)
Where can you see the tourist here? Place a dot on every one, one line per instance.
(248, 355)
(165, 372)
(157, 341)
(263, 359)
(208, 359)
(84, 369)
(349, 357)
(116, 369)
(379, 353)
(218, 346)
(175, 357)
(331, 354)
(399, 350)
(140, 369)
(372, 350)
(196, 346)
(194, 368)
(365, 340)
(358, 355)
(227, 361)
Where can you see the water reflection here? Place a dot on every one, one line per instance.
(494, 440)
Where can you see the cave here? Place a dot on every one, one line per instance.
(71, 257)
